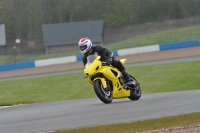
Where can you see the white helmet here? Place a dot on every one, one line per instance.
(85, 45)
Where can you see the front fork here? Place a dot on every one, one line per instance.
(103, 82)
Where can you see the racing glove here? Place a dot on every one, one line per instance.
(108, 62)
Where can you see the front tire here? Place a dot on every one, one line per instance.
(104, 95)
(135, 93)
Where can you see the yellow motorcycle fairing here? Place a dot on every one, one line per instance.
(96, 70)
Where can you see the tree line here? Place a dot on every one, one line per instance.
(24, 18)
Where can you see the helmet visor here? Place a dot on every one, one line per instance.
(83, 47)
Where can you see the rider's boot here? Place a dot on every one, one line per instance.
(126, 76)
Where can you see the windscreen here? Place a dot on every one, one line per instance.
(91, 58)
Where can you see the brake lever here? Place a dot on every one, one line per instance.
(104, 63)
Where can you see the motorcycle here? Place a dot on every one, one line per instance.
(108, 82)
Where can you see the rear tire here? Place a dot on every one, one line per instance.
(104, 95)
(135, 93)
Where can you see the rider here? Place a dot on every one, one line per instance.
(86, 48)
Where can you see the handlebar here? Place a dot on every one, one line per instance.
(105, 63)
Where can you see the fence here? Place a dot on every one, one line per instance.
(34, 49)
(69, 59)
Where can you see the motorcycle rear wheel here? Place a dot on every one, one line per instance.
(104, 95)
(135, 93)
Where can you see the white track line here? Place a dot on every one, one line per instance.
(2, 107)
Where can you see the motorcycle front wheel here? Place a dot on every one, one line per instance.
(103, 94)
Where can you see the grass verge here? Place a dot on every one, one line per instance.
(155, 78)
(140, 126)
(176, 35)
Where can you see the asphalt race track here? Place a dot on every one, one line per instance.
(46, 117)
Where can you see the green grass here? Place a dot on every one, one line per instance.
(176, 35)
(140, 126)
(169, 77)
(155, 78)
(9, 59)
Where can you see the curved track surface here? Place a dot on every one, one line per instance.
(46, 117)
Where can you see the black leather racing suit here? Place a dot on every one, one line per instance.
(107, 56)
